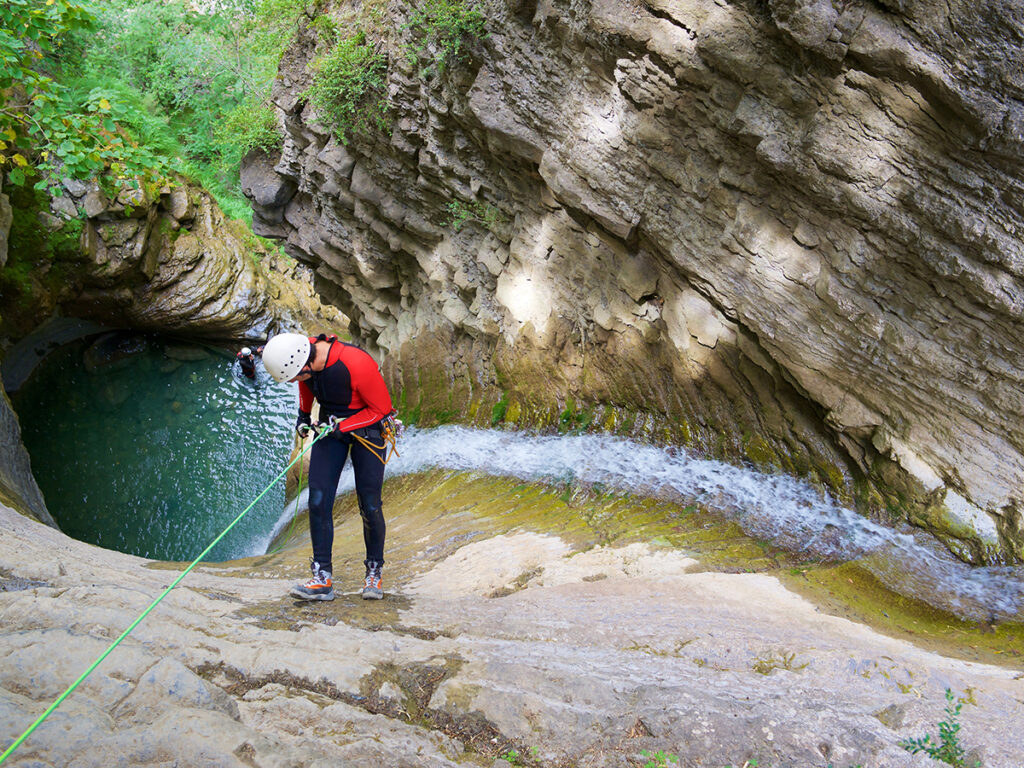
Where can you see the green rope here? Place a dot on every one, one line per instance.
(295, 513)
(113, 645)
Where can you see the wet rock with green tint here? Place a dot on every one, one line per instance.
(570, 625)
(695, 221)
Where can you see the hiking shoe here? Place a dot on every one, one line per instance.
(317, 588)
(372, 589)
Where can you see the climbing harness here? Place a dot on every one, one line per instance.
(391, 430)
(28, 732)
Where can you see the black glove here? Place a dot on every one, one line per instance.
(302, 425)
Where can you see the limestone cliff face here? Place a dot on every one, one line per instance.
(166, 262)
(171, 263)
(783, 231)
(174, 263)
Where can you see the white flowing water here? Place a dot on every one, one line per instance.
(784, 510)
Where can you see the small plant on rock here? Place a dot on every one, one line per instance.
(478, 212)
(659, 759)
(348, 87)
(513, 756)
(443, 30)
(948, 750)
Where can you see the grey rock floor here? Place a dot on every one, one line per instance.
(513, 641)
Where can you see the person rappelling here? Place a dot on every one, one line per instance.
(356, 409)
(247, 362)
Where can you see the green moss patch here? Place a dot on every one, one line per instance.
(431, 515)
(848, 590)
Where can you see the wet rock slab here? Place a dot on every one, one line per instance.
(569, 653)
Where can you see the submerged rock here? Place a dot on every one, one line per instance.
(184, 353)
(112, 349)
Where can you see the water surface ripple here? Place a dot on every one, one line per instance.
(153, 446)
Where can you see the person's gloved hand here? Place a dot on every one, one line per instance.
(393, 426)
(303, 426)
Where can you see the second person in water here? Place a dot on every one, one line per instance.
(348, 386)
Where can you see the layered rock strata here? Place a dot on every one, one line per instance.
(174, 263)
(168, 262)
(784, 232)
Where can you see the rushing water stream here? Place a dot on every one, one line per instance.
(152, 447)
(778, 508)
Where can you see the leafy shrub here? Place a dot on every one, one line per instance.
(326, 28)
(47, 131)
(348, 87)
(250, 125)
(443, 31)
(948, 750)
(196, 78)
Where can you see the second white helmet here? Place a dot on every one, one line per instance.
(285, 354)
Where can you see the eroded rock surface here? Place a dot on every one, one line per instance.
(493, 637)
(783, 232)
(17, 485)
(176, 264)
(164, 260)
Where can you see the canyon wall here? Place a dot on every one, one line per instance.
(161, 260)
(166, 262)
(782, 232)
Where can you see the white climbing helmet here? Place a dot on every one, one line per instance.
(246, 351)
(285, 354)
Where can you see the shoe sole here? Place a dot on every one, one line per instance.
(373, 594)
(305, 596)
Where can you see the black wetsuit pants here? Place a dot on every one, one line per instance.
(326, 461)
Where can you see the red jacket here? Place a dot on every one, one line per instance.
(350, 387)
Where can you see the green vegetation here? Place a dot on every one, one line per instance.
(118, 88)
(442, 32)
(573, 420)
(202, 70)
(349, 81)
(514, 757)
(48, 128)
(132, 90)
(948, 750)
(478, 212)
(348, 87)
(499, 410)
(659, 759)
